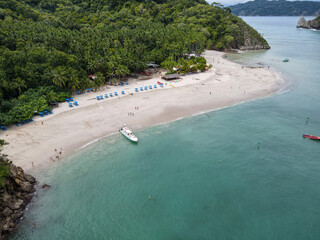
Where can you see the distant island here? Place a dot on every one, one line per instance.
(311, 24)
(276, 8)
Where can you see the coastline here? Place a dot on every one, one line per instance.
(32, 146)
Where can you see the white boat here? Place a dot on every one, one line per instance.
(128, 133)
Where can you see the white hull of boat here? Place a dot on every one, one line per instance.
(128, 134)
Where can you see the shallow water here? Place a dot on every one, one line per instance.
(243, 172)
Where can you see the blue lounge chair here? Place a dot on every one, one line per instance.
(122, 92)
(76, 103)
(101, 97)
(121, 84)
(136, 89)
(41, 114)
(45, 112)
(50, 112)
(67, 100)
(3, 128)
(116, 93)
(127, 83)
(150, 87)
(71, 99)
(141, 88)
(70, 105)
(98, 97)
(145, 88)
(155, 86)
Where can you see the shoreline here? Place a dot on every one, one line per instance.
(68, 130)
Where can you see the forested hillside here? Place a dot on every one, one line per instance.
(276, 8)
(49, 47)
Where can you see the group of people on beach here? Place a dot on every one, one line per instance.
(58, 154)
(132, 113)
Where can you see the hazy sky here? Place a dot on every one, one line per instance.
(232, 2)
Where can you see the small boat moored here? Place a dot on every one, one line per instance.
(286, 60)
(128, 133)
(311, 137)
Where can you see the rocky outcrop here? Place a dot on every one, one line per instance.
(14, 197)
(247, 38)
(311, 24)
(253, 47)
(302, 23)
(315, 23)
(251, 43)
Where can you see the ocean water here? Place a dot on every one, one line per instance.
(242, 172)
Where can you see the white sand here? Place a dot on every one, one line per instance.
(32, 146)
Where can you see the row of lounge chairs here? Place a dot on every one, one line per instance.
(122, 83)
(109, 95)
(4, 128)
(146, 88)
(91, 89)
(75, 103)
(24, 122)
(82, 92)
(44, 113)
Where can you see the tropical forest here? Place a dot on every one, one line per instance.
(48, 48)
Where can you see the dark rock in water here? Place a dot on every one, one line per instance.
(46, 186)
(311, 24)
(14, 197)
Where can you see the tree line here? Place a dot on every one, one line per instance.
(276, 8)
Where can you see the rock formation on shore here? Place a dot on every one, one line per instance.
(311, 24)
(14, 197)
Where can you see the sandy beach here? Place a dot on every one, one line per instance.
(36, 145)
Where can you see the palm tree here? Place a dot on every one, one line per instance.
(74, 82)
(59, 76)
(121, 71)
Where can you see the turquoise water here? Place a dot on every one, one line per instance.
(206, 176)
